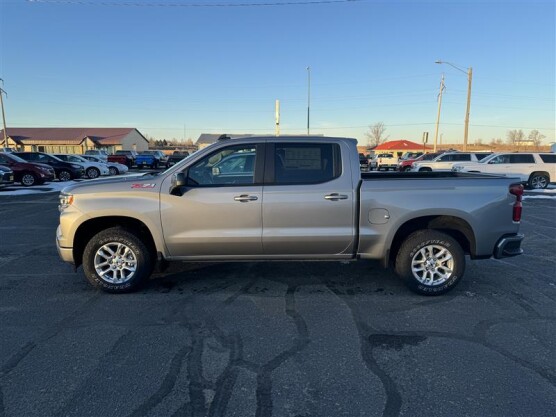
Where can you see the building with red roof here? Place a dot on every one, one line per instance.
(396, 146)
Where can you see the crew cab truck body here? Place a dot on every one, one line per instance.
(288, 199)
(152, 159)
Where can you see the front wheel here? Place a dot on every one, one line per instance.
(28, 179)
(113, 171)
(117, 261)
(430, 262)
(538, 181)
(64, 176)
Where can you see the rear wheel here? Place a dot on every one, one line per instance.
(430, 262)
(538, 181)
(28, 179)
(425, 170)
(93, 173)
(117, 261)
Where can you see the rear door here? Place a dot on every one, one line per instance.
(309, 200)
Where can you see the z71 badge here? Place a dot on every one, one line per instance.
(142, 185)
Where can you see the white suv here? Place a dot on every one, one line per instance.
(445, 161)
(535, 169)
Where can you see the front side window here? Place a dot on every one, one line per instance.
(306, 163)
(462, 157)
(234, 165)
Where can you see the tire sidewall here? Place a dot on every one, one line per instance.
(96, 172)
(130, 240)
(68, 176)
(28, 174)
(415, 243)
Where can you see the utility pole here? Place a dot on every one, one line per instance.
(308, 100)
(466, 132)
(277, 117)
(442, 87)
(3, 114)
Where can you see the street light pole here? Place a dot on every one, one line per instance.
(442, 87)
(469, 74)
(308, 100)
(3, 114)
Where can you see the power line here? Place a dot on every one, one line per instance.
(193, 5)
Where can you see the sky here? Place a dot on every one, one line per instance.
(179, 68)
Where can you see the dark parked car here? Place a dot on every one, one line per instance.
(363, 163)
(65, 171)
(27, 173)
(6, 176)
(176, 157)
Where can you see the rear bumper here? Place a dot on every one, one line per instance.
(507, 246)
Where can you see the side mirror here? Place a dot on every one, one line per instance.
(215, 172)
(178, 181)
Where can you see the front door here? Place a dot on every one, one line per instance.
(218, 213)
(308, 208)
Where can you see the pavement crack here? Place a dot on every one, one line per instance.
(264, 376)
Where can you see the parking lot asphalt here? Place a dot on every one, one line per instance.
(280, 339)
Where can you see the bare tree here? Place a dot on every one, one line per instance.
(515, 137)
(536, 137)
(375, 135)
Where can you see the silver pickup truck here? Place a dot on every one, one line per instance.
(287, 198)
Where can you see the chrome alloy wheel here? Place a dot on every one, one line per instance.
(432, 265)
(539, 182)
(115, 263)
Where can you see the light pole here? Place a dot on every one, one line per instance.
(442, 88)
(308, 100)
(3, 114)
(469, 74)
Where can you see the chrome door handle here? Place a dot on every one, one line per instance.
(244, 198)
(335, 197)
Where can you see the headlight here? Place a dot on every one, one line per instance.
(66, 200)
(75, 166)
(457, 169)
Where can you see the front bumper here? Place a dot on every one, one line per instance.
(509, 245)
(65, 253)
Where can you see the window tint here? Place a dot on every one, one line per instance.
(548, 158)
(234, 165)
(461, 157)
(445, 158)
(306, 163)
(522, 159)
(481, 156)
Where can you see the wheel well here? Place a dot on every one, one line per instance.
(457, 228)
(91, 227)
(541, 173)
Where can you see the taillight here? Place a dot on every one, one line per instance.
(517, 190)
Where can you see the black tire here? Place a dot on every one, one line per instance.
(154, 165)
(425, 246)
(538, 181)
(405, 169)
(64, 175)
(28, 179)
(143, 260)
(113, 171)
(93, 173)
(425, 170)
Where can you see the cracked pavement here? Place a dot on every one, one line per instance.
(274, 339)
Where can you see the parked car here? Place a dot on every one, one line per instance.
(114, 168)
(124, 157)
(92, 169)
(152, 159)
(386, 161)
(65, 171)
(363, 163)
(405, 164)
(445, 161)
(536, 170)
(6, 176)
(176, 157)
(288, 198)
(27, 173)
(371, 160)
(99, 153)
(7, 150)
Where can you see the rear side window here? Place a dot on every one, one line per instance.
(481, 156)
(548, 158)
(522, 158)
(306, 163)
(461, 157)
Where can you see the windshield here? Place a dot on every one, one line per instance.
(14, 158)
